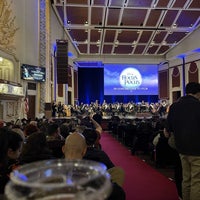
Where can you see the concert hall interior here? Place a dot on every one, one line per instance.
(120, 62)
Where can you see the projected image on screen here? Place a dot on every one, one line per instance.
(129, 79)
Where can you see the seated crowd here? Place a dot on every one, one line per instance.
(44, 139)
(28, 141)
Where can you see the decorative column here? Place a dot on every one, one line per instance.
(45, 52)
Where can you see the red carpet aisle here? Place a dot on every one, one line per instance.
(142, 182)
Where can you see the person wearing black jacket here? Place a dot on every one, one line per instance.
(10, 149)
(184, 122)
(92, 152)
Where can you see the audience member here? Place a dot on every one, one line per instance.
(113, 124)
(65, 129)
(89, 122)
(98, 117)
(35, 149)
(9, 125)
(20, 132)
(54, 140)
(144, 134)
(30, 129)
(10, 149)
(1, 123)
(92, 152)
(34, 122)
(165, 155)
(75, 148)
(184, 123)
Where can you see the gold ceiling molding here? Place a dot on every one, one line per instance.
(7, 27)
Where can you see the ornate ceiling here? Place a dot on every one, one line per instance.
(127, 27)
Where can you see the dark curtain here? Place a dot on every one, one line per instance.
(90, 85)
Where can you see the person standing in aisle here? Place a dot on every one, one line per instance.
(184, 122)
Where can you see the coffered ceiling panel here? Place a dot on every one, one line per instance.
(160, 37)
(99, 2)
(112, 16)
(127, 36)
(107, 49)
(162, 3)
(110, 36)
(163, 49)
(153, 18)
(139, 3)
(127, 27)
(179, 4)
(95, 35)
(194, 4)
(116, 3)
(152, 49)
(123, 49)
(96, 16)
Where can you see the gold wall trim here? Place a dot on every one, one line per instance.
(8, 28)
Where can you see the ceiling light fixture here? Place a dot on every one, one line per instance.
(125, 3)
(158, 32)
(116, 43)
(91, 2)
(98, 43)
(75, 42)
(155, 3)
(133, 43)
(174, 26)
(67, 25)
(152, 44)
(174, 43)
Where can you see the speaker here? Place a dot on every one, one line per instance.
(62, 61)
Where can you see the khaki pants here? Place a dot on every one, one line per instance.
(191, 177)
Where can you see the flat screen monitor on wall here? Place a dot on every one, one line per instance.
(33, 73)
(130, 79)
